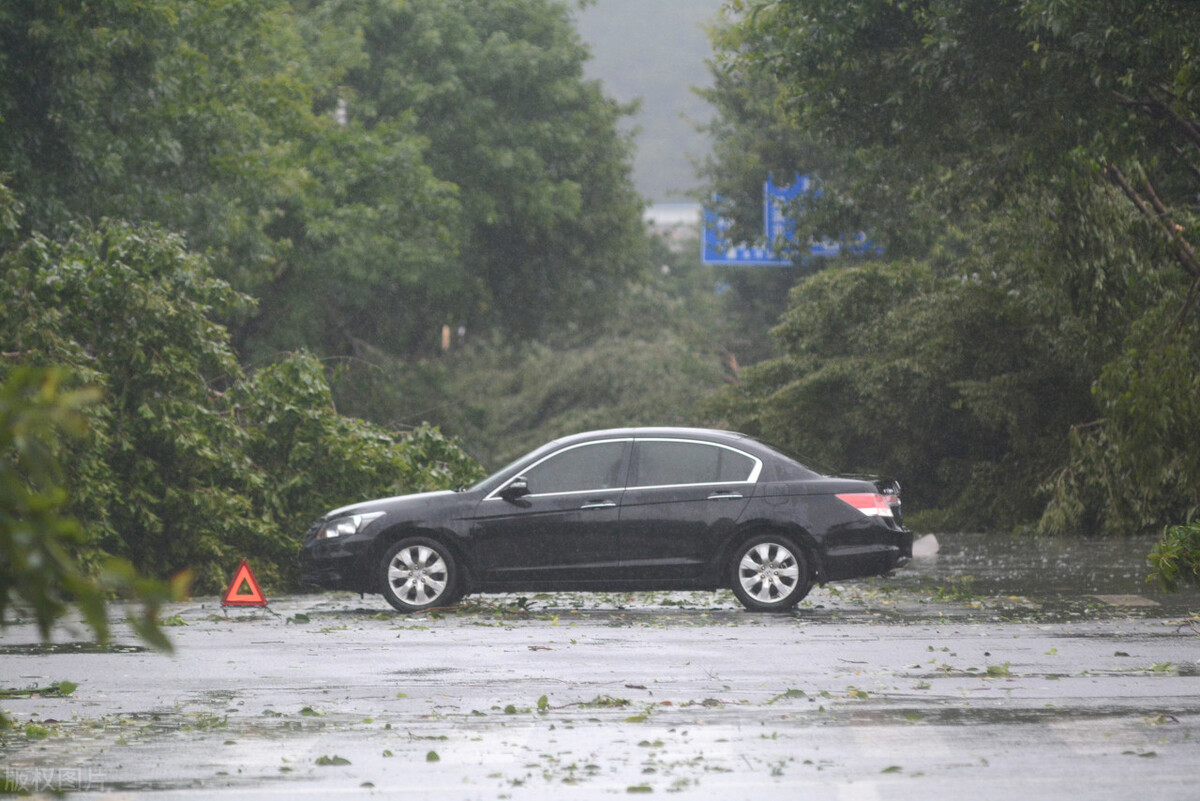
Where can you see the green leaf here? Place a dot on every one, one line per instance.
(332, 760)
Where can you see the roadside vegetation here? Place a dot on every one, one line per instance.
(1022, 343)
(216, 219)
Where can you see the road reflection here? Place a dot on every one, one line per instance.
(1045, 570)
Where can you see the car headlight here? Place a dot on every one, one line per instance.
(345, 526)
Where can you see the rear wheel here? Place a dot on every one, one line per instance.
(770, 574)
(419, 573)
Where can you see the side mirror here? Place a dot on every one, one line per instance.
(517, 488)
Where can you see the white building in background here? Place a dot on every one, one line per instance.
(677, 223)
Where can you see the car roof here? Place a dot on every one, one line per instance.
(645, 432)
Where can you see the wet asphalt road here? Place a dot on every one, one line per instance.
(915, 686)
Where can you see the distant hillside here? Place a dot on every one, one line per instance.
(655, 50)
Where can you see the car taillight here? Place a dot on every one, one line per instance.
(871, 504)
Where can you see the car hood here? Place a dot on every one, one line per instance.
(399, 503)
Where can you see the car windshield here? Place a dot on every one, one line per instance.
(497, 477)
(494, 478)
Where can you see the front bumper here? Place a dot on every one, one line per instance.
(337, 564)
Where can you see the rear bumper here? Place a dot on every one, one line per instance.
(860, 561)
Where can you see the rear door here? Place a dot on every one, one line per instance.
(683, 498)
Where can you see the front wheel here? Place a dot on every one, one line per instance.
(418, 574)
(770, 574)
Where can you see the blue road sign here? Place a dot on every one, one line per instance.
(777, 226)
(716, 248)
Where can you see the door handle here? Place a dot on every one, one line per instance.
(598, 505)
(725, 496)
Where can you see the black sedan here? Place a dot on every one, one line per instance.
(626, 509)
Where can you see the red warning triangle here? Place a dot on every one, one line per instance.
(244, 590)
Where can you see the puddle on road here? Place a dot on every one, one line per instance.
(1039, 567)
(1107, 576)
(40, 649)
(425, 671)
(981, 716)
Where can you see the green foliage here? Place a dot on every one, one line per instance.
(950, 107)
(752, 136)
(43, 549)
(314, 459)
(369, 170)
(177, 111)
(37, 537)
(1033, 166)
(55, 689)
(1176, 557)
(164, 480)
(1139, 467)
(550, 222)
(190, 466)
(366, 170)
(370, 252)
(657, 357)
(939, 382)
(536, 393)
(651, 365)
(212, 120)
(40, 567)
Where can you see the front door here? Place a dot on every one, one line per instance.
(565, 530)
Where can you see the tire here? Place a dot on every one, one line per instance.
(769, 573)
(418, 573)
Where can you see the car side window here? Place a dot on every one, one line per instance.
(672, 463)
(586, 467)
